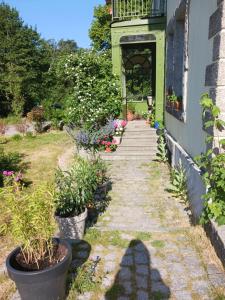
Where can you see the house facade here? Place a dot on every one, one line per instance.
(181, 44)
(138, 50)
(195, 52)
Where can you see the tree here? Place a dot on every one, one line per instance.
(67, 46)
(100, 31)
(24, 61)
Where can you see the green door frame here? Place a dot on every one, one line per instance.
(154, 27)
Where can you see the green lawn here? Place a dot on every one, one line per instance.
(40, 153)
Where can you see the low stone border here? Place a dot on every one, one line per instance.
(216, 234)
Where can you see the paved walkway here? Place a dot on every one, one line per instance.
(147, 247)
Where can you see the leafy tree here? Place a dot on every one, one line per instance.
(67, 46)
(24, 61)
(100, 31)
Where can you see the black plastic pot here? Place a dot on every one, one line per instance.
(48, 284)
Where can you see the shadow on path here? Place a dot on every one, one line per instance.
(136, 278)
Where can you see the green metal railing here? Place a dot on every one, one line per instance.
(128, 9)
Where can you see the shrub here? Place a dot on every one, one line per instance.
(31, 222)
(96, 95)
(36, 115)
(75, 188)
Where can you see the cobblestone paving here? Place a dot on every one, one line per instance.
(146, 245)
(158, 254)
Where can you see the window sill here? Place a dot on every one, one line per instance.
(178, 114)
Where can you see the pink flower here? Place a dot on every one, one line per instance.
(19, 177)
(7, 173)
(114, 142)
(123, 123)
(108, 144)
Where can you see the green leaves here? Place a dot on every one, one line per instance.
(179, 183)
(76, 187)
(31, 220)
(162, 153)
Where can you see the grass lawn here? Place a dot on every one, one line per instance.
(40, 155)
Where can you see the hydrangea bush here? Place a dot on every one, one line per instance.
(96, 95)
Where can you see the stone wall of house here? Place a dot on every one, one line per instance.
(189, 69)
(188, 26)
(215, 72)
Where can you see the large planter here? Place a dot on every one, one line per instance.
(73, 227)
(40, 285)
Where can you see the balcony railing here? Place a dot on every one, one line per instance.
(129, 9)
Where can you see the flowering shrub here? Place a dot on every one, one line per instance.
(96, 94)
(11, 177)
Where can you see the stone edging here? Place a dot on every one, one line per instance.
(216, 234)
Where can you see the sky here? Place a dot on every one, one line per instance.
(56, 19)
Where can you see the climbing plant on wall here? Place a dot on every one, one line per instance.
(212, 163)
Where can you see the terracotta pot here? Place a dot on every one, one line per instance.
(130, 116)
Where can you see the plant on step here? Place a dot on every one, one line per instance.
(162, 152)
(179, 182)
(212, 163)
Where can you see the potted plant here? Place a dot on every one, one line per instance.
(130, 111)
(178, 103)
(75, 191)
(40, 264)
(119, 130)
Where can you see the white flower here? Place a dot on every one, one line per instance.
(210, 201)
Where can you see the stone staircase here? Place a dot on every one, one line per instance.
(139, 142)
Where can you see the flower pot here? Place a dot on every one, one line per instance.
(130, 116)
(117, 140)
(46, 284)
(73, 227)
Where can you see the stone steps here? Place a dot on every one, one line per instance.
(139, 143)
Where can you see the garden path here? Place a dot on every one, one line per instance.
(148, 248)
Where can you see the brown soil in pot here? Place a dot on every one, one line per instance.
(59, 252)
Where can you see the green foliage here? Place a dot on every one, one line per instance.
(86, 280)
(96, 91)
(179, 183)
(36, 115)
(16, 137)
(214, 179)
(131, 107)
(172, 98)
(212, 165)
(75, 188)
(162, 154)
(100, 31)
(158, 244)
(11, 161)
(31, 221)
(25, 60)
